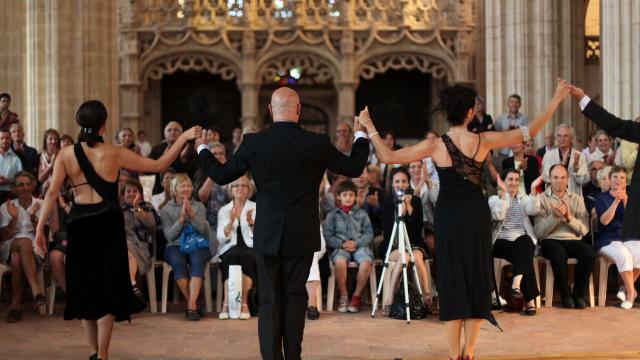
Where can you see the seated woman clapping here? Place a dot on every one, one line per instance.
(235, 237)
(513, 237)
(413, 220)
(179, 212)
(610, 207)
(139, 224)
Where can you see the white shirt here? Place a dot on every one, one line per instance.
(10, 166)
(157, 199)
(145, 147)
(24, 226)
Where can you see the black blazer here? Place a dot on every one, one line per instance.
(287, 164)
(630, 131)
(530, 175)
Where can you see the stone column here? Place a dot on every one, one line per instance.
(249, 84)
(620, 49)
(12, 56)
(528, 44)
(346, 84)
(131, 93)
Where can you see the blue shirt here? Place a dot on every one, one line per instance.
(610, 232)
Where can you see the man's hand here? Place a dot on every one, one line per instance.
(577, 92)
(501, 185)
(357, 126)
(201, 140)
(567, 211)
(34, 208)
(12, 209)
(576, 163)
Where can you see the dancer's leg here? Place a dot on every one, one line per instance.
(453, 329)
(105, 328)
(471, 332)
(91, 330)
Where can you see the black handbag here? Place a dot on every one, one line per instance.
(417, 309)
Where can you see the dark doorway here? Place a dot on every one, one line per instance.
(200, 98)
(398, 100)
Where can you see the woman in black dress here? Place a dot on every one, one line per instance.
(462, 218)
(97, 273)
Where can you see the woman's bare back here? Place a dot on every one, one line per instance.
(105, 162)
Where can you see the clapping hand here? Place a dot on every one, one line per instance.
(536, 184)
(250, 217)
(34, 209)
(12, 209)
(136, 201)
(576, 163)
(501, 185)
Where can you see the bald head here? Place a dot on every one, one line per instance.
(285, 105)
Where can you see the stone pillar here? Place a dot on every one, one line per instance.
(12, 56)
(249, 84)
(620, 49)
(528, 44)
(131, 94)
(347, 83)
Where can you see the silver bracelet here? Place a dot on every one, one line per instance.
(525, 133)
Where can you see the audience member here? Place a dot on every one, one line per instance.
(603, 150)
(66, 140)
(413, 221)
(28, 155)
(18, 220)
(375, 175)
(481, 120)
(187, 162)
(10, 164)
(7, 117)
(236, 139)
(179, 212)
(50, 148)
(548, 144)
(572, 159)
(347, 229)
(526, 166)
(561, 224)
(592, 188)
(235, 236)
(626, 155)
(213, 135)
(610, 206)
(212, 195)
(143, 143)
(139, 224)
(158, 201)
(591, 146)
(344, 138)
(514, 239)
(513, 119)
(425, 189)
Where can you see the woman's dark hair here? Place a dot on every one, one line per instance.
(506, 173)
(456, 101)
(48, 133)
(91, 116)
(402, 170)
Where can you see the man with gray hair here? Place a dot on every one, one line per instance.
(571, 158)
(187, 162)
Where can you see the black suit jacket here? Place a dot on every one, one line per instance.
(287, 164)
(530, 175)
(630, 131)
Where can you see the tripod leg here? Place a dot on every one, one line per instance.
(413, 262)
(385, 267)
(402, 249)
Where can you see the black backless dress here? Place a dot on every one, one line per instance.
(463, 240)
(97, 267)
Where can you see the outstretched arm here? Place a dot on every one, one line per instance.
(405, 155)
(225, 173)
(611, 124)
(133, 161)
(493, 139)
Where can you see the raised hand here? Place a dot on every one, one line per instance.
(365, 120)
(536, 183)
(192, 133)
(576, 163)
(563, 89)
(250, 217)
(202, 139)
(136, 201)
(357, 126)
(501, 185)
(34, 208)
(12, 209)
(188, 210)
(577, 92)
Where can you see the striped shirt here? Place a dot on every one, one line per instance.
(513, 225)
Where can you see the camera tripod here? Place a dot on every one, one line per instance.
(400, 237)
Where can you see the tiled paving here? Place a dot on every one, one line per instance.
(596, 333)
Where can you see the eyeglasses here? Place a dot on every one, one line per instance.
(239, 186)
(26, 184)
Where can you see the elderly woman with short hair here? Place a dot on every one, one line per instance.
(180, 211)
(235, 236)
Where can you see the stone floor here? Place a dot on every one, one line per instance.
(596, 333)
